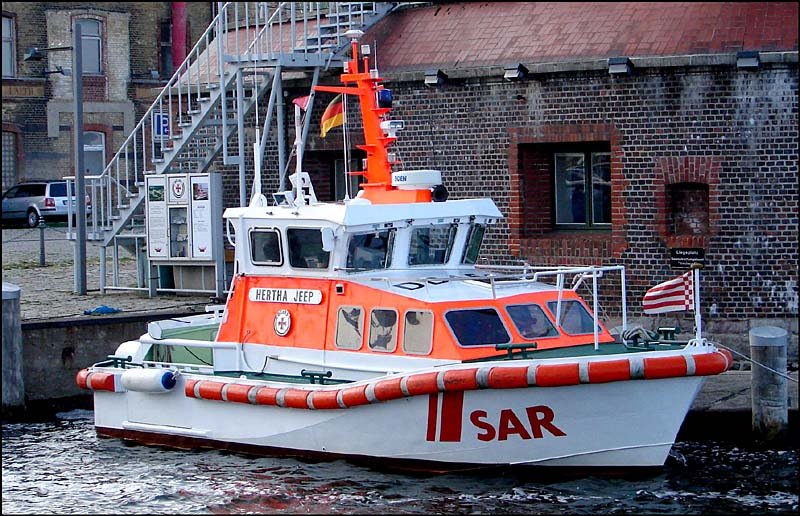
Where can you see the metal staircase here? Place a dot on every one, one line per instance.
(196, 118)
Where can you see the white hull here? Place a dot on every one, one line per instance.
(625, 423)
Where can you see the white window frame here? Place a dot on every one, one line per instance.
(95, 148)
(92, 37)
(10, 43)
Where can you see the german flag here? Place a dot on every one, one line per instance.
(333, 115)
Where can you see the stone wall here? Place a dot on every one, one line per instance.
(729, 134)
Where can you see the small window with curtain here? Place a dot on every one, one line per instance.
(583, 190)
(383, 329)
(349, 325)
(9, 48)
(418, 332)
(91, 45)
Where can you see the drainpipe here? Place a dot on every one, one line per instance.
(178, 33)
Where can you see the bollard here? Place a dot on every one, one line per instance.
(42, 227)
(13, 385)
(770, 399)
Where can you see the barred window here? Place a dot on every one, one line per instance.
(9, 159)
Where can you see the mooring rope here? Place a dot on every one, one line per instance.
(758, 363)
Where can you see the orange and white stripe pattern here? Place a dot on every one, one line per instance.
(460, 380)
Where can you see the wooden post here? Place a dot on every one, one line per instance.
(769, 390)
(13, 383)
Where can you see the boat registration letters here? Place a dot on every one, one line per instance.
(285, 295)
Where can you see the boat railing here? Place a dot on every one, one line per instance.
(506, 276)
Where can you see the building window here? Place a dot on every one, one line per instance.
(9, 158)
(582, 190)
(94, 152)
(688, 208)
(91, 45)
(166, 49)
(9, 55)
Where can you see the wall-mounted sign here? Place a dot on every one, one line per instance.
(156, 205)
(684, 257)
(201, 217)
(286, 295)
(178, 191)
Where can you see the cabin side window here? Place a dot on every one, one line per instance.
(349, 325)
(575, 320)
(477, 327)
(418, 332)
(473, 247)
(265, 247)
(371, 250)
(305, 249)
(383, 330)
(531, 322)
(431, 245)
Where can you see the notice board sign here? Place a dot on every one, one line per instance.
(684, 257)
(157, 240)
(201, 217)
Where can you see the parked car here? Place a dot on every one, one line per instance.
(33, 200)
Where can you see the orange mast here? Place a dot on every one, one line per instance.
(378, 186)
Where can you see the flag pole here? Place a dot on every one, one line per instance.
(346, 153)
(697, 322)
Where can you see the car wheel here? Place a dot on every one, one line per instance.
(33, 219)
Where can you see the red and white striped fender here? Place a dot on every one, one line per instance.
(486, 377)
(97, 381)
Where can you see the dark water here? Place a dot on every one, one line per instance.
(63, 467)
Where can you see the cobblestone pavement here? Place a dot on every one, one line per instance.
(47, 292)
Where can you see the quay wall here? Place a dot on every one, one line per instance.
(55, 350)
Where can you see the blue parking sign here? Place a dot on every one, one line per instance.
(161, 122)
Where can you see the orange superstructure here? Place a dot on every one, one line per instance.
(378, 187)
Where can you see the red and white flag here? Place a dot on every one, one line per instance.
(674, 295)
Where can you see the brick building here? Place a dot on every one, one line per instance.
(130, 49)
(689, 147)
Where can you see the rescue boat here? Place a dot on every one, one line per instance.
(366, 329)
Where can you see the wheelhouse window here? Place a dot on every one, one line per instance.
(305, 249)
(9, 54)
(265, 247)
(371, 250)
(383, 330)
(91, 44)
(349, 324)
(531, 322)
(418, 332)
(474, 241)
(574, 318)
(431, 245)
(583, 190)
(477, 327)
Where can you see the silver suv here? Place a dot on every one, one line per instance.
(34, 200)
